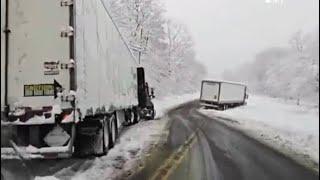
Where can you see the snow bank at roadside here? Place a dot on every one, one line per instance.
(290, 128)
(162, 105)
(46, 178)
(128, 152)
(133, 145)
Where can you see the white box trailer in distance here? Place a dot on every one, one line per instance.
(222, 94)
(68, 80)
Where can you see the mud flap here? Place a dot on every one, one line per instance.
(89, 139)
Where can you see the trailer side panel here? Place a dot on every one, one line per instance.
(106, 69)
(232, 93)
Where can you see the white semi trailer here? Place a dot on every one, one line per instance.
(68, 80)
(222, 94)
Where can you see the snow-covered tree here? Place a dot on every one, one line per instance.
(164, 46)
(179, 44)
(140, 21)
(290, 72)
(298, 42)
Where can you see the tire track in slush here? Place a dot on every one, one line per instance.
(168, 168)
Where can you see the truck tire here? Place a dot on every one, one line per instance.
(154, 113)
(129, 115)
(113, 129)
(225, 107)
(107, 138)
(132, 117)
(136, 115)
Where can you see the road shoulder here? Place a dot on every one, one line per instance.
(265, 139)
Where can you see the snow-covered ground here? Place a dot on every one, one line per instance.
(162, 105)
(282, 124)
(134, 144)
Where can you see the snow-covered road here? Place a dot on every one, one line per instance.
(289, 128)
(205, 148)
(134, 144)
(292, 129)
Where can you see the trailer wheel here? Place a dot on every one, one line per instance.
(114, 130)
(221, 107)
(154, 113)
(225, 107)
(131, 117)
(136, 115)
(106, 135)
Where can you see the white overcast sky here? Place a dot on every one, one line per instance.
(228, 33)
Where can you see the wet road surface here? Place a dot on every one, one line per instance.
(219, 152)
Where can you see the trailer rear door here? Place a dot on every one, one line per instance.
(210, 91)
(37, 51)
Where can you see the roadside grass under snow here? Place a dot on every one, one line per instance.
(284, 125)
(133, 145)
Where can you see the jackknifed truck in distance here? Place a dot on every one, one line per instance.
(222, 94)
(69, 81)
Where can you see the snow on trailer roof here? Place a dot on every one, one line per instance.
(223, 81)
